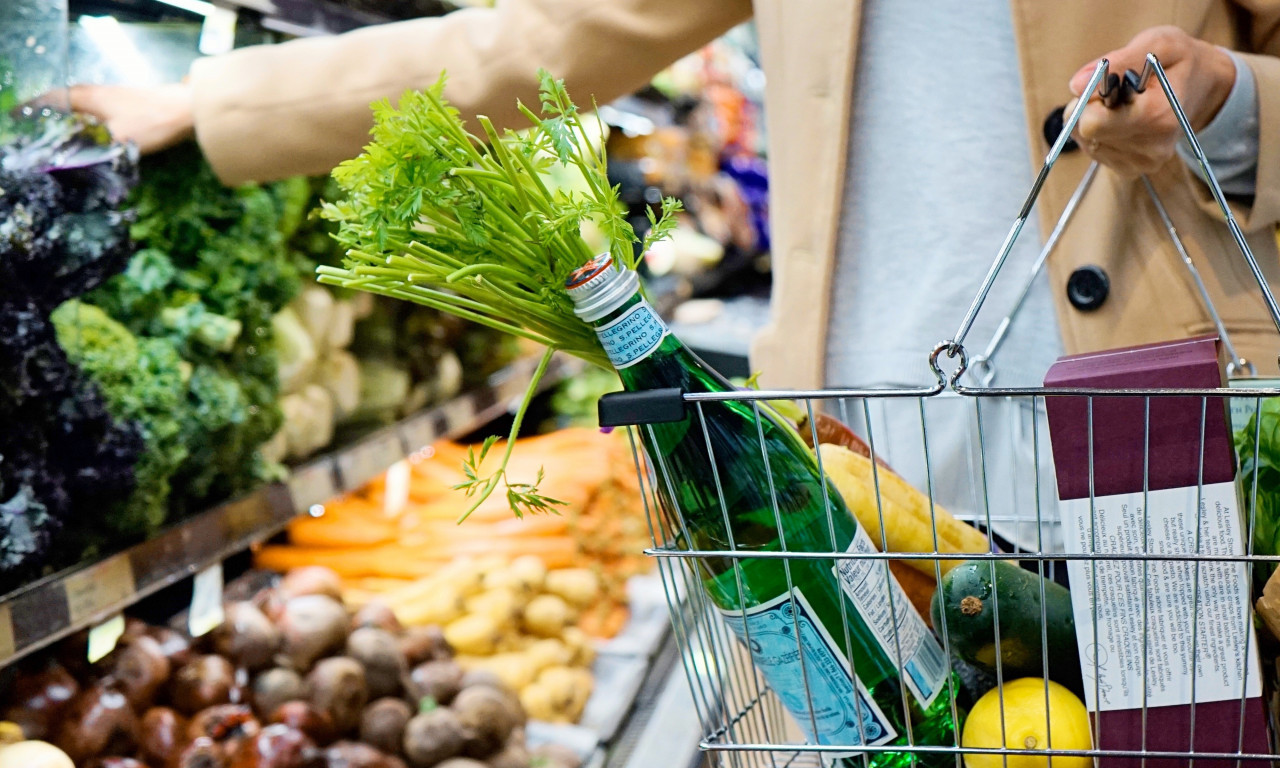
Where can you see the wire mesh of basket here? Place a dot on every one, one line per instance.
(1160, 575)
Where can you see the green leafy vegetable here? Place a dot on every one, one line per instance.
(142, 381)
(212, 272)
(469, 225)
(1260, 469)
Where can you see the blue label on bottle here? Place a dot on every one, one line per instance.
(810, 675)
(633, 336)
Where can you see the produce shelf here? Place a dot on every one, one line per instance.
(45, 611)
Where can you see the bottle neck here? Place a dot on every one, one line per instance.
(631, 332)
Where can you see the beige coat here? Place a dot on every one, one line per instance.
(302, 107)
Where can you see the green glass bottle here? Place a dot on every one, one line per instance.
(843, 687)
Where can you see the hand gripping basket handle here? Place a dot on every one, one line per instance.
(1113, 91)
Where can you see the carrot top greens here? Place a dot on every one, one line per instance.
(472, 225)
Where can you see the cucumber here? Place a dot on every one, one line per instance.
(966, 597)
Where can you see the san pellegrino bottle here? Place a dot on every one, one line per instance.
(821, 631)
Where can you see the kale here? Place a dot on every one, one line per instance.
(61, 235)
(143, 381)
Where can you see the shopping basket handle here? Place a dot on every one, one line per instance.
(954, 347)
(647, 406)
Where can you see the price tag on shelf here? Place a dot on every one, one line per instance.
(395, 493)
(312, 484)
(369, 459)
(103, 637)
(7, 644)
(206, 601)
(99, 587)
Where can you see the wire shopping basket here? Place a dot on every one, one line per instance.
(1126, 583)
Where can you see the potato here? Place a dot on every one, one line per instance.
(548, 652)
(515, 670)
(476, 634)
(580, 587)
(569, 689)
(546, 616)
(530, 570)
(466, 576)
(582, 651)
(539, 703)
(440, 606)
(503, 604)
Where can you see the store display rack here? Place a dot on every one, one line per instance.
(47, 610)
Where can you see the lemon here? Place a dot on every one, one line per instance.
(1027, 727)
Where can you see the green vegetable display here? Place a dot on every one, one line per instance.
(468, 225)
(212, 271)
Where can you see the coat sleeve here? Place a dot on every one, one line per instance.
(301, 107)
(1261, 53)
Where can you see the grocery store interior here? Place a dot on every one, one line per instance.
(370, 397)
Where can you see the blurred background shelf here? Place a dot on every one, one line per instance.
(38, 614)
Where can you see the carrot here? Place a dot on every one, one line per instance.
(604, 621)
(328, 532)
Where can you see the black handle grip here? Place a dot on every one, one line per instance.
(650, 406)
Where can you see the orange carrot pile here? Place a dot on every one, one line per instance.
(378, 548)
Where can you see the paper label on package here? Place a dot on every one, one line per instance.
(1184, 598)
(899, 630)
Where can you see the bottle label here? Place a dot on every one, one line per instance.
(632, 336)
(805, 667)
(891, 617)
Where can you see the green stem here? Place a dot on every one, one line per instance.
(516, 421)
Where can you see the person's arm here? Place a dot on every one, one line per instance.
(1230, 140)
(301, 107)
(1263, 44)
(1142, 136)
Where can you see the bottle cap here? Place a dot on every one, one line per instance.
(598, 287)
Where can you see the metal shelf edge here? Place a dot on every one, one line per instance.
(45, 611)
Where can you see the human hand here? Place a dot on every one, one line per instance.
(154, 118)
(1141, 136)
